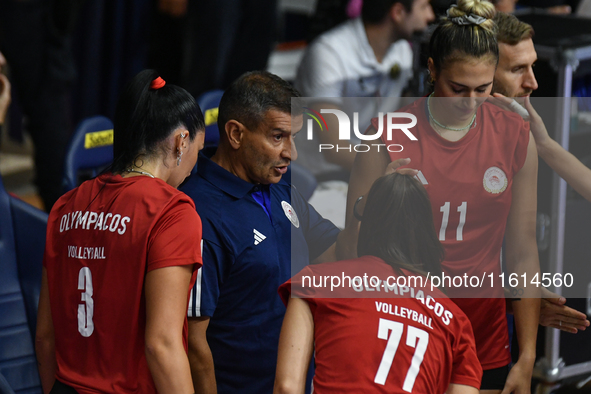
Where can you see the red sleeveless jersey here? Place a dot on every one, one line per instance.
(469, 183)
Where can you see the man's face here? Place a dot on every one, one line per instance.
(266, 151)
(515, 75)
(417, 19)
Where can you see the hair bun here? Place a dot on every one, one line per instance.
(481, 8)
(473, 12)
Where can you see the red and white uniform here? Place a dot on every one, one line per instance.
(381, 342)
(469, 183)
(102, 239)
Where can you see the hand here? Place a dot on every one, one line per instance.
(509, 104)
(174, 8)
(519, 379)
(553, 313)
(537, 126)
(395, 167)
(4, 97)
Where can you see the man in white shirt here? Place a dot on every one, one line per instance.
(369, 58)
(363, 57)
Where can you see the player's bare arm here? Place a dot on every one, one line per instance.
(166, 308)
(564, 163)
(200, 358)
(45, 339)
(522, 256)
(296, 344)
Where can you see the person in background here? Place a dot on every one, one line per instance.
(207, 44)
(368, 56)
(122, 253)
(508, 6)
(5, 96)
(514, 77)
(35, 37)
(365, 57)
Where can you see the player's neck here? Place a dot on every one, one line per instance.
(229, 163)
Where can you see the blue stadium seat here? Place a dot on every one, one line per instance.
(89, 152)
(22, 240)
(209, 103)
(4, 386)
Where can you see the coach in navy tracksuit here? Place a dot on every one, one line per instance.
(257, 232)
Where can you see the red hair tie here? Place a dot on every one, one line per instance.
(157, 83)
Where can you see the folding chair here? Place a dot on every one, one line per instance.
(209, 103)
(22, 241)
(90, 151)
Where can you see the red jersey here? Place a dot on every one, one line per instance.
(415, 344)
(469, 183)
(102, 239)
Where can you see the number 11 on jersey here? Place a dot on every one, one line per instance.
(462, 208)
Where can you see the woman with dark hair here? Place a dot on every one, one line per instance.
(122, 253)
(384, 336)
(479, 166)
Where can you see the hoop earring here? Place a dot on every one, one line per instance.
(430, 79)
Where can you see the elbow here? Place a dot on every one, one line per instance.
(157, 348)
(284, 387)
(44, 345)
(200, 358)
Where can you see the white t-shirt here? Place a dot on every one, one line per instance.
(341, 63)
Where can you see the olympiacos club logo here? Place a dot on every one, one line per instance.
(495, 180)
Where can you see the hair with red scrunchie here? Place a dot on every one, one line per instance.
(157, 83)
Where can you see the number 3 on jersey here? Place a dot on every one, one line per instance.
(412, 335)
(462, 208)
(85, 323)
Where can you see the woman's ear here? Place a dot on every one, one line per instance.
(181, 142)
(181, 139)
(432, 70)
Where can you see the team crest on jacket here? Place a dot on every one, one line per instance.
(290, 213)
(495, 180)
